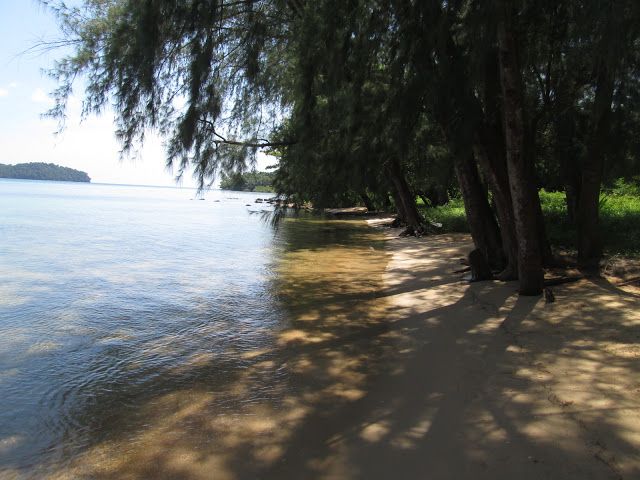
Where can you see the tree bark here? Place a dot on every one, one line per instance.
(564, 120)
(607, 62)
(489, 150)
(367, 201)
(521, 183)
(589, 237)
(493, 164)
(482, 223)
(405, 201)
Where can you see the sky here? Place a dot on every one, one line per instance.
(88, 145)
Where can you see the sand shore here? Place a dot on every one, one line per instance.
(395, 368)
(501, 386)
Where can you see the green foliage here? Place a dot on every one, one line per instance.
(200, 72)
(451, 216)
(43, 171)
(619, 219)
(621, 187)
(248, 182)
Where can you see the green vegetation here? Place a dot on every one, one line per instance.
(451, 215)
(42, 171)
(619, 212)
(247, 182)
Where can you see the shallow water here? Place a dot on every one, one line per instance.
(137, 322)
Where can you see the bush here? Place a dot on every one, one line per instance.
(619, 219)
(451, 216)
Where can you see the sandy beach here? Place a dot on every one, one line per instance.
(501, 386)
(394, 367)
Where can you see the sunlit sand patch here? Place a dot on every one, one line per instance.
(345, 391)
(303, 337)
(412, 436)
(625, 350)
(374, 432)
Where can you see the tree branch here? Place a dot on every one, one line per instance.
(257, 143)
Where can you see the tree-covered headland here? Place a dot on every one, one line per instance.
(382, 102)
(43, 171)
(248, 181)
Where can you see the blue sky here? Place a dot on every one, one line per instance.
(24, 95)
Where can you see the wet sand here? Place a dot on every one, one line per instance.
(392, 367)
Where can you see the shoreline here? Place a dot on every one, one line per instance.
(393, 367)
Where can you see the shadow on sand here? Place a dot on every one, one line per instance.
(394, 368)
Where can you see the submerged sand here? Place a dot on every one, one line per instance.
(393, 367)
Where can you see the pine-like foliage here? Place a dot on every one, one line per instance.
(206, 74)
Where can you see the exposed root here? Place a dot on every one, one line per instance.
(559, 281)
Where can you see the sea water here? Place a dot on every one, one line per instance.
(138, 321)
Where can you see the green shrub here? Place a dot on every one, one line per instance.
(451, 216)
(619, 219)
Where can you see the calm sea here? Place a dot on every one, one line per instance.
(134, 320)
(105, 288)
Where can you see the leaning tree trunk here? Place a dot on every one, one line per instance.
(482, 223)
(521, 183)
(493, 164)
(405, 201)
(489, 149)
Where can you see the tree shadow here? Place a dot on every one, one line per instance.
(427, 377)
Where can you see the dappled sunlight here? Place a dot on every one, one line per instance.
(392, 367)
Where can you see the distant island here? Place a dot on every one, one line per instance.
(248, 182)
(42, 171)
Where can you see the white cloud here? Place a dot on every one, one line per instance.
(14, 85)
(3, 92)
(39, 96)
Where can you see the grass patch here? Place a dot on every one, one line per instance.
(451, 215)
(619, 219)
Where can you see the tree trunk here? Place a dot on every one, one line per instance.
(405, 201)
(571, 192)
(607, 62)
(489, 149)
(564, 119)
(493, 164)
(367, 201)
(521, 183)
(589, 238)
(529, 149)
(482, 223)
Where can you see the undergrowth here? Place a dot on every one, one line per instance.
(619, 219)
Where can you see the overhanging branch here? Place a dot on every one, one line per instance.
(258, 143)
